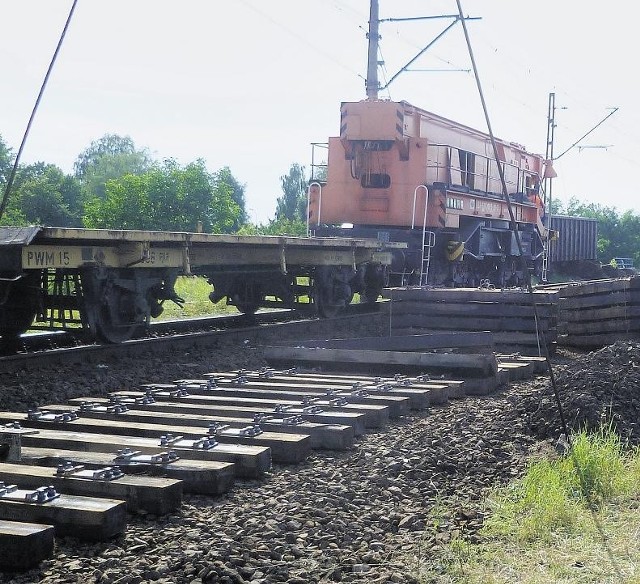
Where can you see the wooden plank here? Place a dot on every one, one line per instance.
(444, 389)
(517, 370)
(467, 324)
(604, 313)
(238, 407)
(396, 405)
(598, 287)
(504, 341)
(443, 340)
(285, 448)
(250, 461)
(24, 545)
(539, 363)
(485, 385)
(82, 517)
(155, 495)
(598, 340)
(399, 401)
(622, 325)
(200, 477)
(594, 301)
(375, 416)
(331, 436)
(475, 365)
(470, 294)
(477, 309)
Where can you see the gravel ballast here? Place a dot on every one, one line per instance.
(355, 516)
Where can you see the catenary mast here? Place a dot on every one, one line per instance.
(372, 84)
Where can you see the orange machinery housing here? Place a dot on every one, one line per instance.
(393, 159)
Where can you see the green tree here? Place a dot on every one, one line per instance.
(44, 195)
(6, 162)
(292, 204)
(275, 227)
(167, 197)
(224, 176)
(110, 157)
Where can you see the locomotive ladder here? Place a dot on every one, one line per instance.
(428, 242)
(545, 259)
(428, 237)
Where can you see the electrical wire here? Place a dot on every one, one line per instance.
(544, 344)
(16, 162)
(303, 39)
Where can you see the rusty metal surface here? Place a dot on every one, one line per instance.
(18, 235)
(77, 235)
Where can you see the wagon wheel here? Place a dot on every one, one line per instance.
(374, 281)
(114, 313)
(331, 293)
(247, 296)
(19, 302)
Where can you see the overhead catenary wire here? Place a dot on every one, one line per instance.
(16, 162)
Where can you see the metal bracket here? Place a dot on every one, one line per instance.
(45, 416)
(247, 431)
(304, 411)
(261, 417)
(266, 372)
(406, 382)
(338, 402)
(239, 379)
(108, 473)
(204, 443)
(127, 456)
(110, 408)
(37, 496)
(209, 385)
(215, 427)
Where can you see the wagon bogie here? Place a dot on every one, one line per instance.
(110, 284)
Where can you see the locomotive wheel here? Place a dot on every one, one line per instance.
(19, 305)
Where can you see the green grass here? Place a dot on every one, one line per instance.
(570, 519)
(195, 292)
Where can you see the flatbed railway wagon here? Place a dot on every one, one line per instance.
(112, 282)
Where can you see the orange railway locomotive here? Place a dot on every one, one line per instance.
(400, 173)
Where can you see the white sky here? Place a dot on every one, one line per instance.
(250, 84)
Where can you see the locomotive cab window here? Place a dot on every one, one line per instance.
(375, 181)
(467, 167)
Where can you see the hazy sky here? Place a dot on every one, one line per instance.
(250, 84)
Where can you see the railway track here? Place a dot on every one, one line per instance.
(301, 419)
(52, 347)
